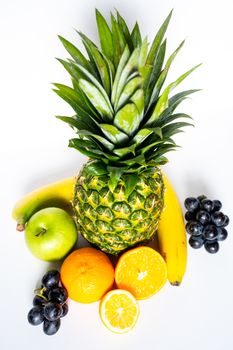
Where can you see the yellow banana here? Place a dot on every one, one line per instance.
(172, 236)
(58, 194)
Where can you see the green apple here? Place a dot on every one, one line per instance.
(50, 234)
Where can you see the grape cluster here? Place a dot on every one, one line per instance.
(49, 303)
(205, 223)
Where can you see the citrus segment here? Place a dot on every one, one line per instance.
(87, 274)
(142, 271)
(119, 311)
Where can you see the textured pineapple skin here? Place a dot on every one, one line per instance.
(114, 221)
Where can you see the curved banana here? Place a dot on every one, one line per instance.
(58, 194)
(172, 236)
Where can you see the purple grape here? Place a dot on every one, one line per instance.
(207, 204)
(65, 310)
(210, 232)
(39, 300)
(218, 218)
(217, 205)
(36, 315)
(212, 247)
(51, 327)
(196, 242)
(203, 217)
(52, 311)
(222, 234)
(51, 279)
(194, 228)
(226, 222)
(189, 216)
(191, 204)
(58, 295)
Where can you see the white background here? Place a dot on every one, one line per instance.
(34, 152)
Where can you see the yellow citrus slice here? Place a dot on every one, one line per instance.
(119, 311)
(142, 271)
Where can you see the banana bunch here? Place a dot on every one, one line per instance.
(58, 194)
(171, 235)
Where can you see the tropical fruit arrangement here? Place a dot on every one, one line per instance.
(124, 121)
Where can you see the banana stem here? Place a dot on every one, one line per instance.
(20, 227)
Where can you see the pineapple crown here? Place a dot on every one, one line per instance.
(122, 119)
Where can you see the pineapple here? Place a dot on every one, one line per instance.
(124, 124)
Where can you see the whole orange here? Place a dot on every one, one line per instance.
(87, 274)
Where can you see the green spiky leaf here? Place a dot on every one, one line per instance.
(140, 159)
(161, 78)
(141, 136)
(130, 66)
(75, 53)
(113, 134)
(136, 36)
(125, 30)
(143, 54)
(127, 119)
(108, 145)
(100, 63)
(155, 73)
(80, 123)
(95, 82)
(97, 99)
(163, 100)
(118, 40)
(129, 90)
(173, 128)
(156, 44)
(96, 168)
(115, 174)
(74, 143)
(138, 100)
(105, 36)
(124, 58)
(166, 119)
(131, 182)
(122, 152)
(76, 107)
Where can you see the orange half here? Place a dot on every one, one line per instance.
(142, 271)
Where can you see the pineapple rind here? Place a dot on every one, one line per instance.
(114, 221)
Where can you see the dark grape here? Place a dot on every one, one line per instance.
(196, 242)
(218, 218)
(217, 205)
(51, 327)
(210, 232)
(36, 315)
(189, 216)
(203, 217)
(226, 222)
(212, 247)
(52, 311)
(222, 233)
(207, 204)
(38, 300)
(58, 295)
(194, 228)
(191, 204)
(51, 279)
(65, 310)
